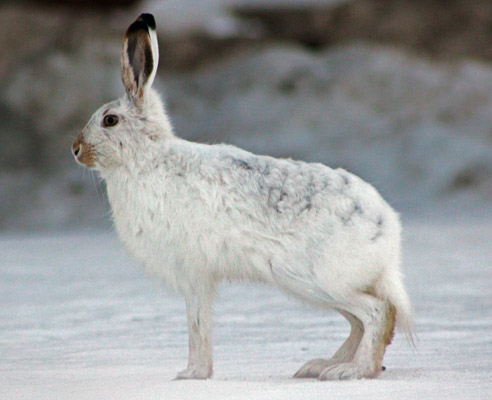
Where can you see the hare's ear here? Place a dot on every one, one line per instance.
(139, 57)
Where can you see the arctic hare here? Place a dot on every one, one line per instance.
(196, 214)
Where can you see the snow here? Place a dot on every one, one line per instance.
(79, 320)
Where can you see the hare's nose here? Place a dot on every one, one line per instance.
(77, 145)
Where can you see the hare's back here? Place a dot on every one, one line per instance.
(288, 192)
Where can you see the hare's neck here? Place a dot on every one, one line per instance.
(131, 185)
(134, 201)
(142, 159)
(121, 191)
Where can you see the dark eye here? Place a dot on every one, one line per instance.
(110, 120)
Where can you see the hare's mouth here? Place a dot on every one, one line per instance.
(83, 152)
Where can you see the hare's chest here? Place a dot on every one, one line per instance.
(142, 221)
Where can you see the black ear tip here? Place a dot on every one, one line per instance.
(148, 19)
(137, 26)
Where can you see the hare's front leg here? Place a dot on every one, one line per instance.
(199, 315)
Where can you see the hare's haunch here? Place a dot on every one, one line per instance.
(196, 214)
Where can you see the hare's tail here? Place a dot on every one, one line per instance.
(391, 289)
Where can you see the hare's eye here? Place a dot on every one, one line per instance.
(110, 120)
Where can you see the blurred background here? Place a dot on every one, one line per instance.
(396, 91)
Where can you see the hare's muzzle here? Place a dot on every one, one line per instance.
(83, 151)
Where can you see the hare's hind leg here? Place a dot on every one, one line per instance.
(378, 320)
(344, 354)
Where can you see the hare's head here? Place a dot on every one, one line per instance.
(119, 132)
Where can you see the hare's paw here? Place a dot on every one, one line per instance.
(198, 372)
(312, 368)
(346, 371)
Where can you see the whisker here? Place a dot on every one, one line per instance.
(100, 196)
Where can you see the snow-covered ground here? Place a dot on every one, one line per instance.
(78, 320)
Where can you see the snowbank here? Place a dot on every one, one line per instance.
(419, 130)
(410, 126)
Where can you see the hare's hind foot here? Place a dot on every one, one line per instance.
(345, 354)
(312, 368)
(347, 371)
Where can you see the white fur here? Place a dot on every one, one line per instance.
(196, 214)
